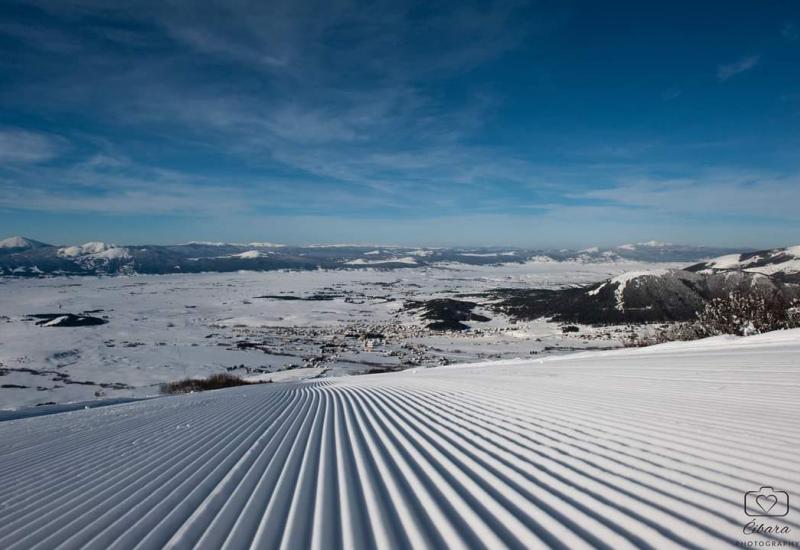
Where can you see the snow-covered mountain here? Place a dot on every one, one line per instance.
(25, 257)
(783, 263)
(99, 257)
(644, 448)
(19, 244)
(630, 297)
(656, 251)
(643, 296)
(648, 244)
(87, 249)
(660, 295)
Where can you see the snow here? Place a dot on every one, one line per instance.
(15, 242)
(55, 322)
(265, 245)
(167, 327)
(95, 248)
(622, 281)
(114, 254)
(734, 261)
(649, 244)
(340, 245)
(596, 291)
(726, 262)
(302, 373)
(627, 449)
(488, 254)
(93, 254)
(70, 251)
(257, 244)
(251, 254)
(405, 260)
(791, 266)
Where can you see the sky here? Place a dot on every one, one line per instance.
(526, 123)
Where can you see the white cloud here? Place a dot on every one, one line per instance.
(21, 146)
(105, 183)
(724, 72)
(315, 71)
(716, 194)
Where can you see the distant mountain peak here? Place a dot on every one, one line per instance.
(220, 244)
(21, 242)
(650, 244)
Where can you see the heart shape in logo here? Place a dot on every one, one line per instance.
(766, 503)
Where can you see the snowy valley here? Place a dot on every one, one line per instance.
(67, 339)
(436, 404)
(277, 325)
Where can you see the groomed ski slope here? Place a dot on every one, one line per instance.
(633, 448)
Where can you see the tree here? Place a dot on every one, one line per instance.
(746, 313)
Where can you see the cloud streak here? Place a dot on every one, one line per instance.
(741, 195)
(728, 71)
(21, 146)
(317, 87)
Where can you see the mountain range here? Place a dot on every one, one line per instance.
(631, 297)
(660, 295)
(23, 257)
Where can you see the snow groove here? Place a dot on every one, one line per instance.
(605, 450)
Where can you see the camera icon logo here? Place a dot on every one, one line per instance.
(766, 502)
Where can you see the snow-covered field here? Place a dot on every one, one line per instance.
(165, 327)
(647, 448)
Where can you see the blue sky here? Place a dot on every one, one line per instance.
(549, 123)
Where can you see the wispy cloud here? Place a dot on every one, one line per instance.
(318, 87)
(21, 146)
(346, 110)
(718, 193)
(114, 185)
(724, 72)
